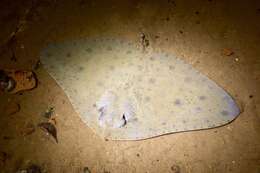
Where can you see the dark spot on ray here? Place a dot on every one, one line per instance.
(128, 52)
(171, 67)
(150, 129)
(140, 67)
(207, 121)
(187, 79)
(177, 102)
(81, 68)
(147, 98)
(152, 58)
(111, 67)
(68, 54)
(210, 87)
(100, 83)
(202, 97)
(109, 48)
(130, 64)
(198, 108)
(224, 113)
(89, 50)
(151, 80)
(140, 79)
(164, 123)
(184, 121)
(74, 90)
(190, 68)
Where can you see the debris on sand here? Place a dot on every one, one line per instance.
(86, 170)
(53, 120)
(227, 52)
(3, 157)
(6, 82)
(176, 168)
(37, 65)
(49, 112)
(31, 169)
(50, 129)
(144, 41)
(28, 129)
(12, 108)
(13, 81)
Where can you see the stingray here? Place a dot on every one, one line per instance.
(123, 92)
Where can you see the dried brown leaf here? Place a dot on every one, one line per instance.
(50, 129)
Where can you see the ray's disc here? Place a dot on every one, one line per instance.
(124, 93)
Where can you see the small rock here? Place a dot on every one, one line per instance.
(229, 128)
(227, 52)
(236, 59)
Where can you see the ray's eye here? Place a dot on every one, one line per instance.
(124, 119)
